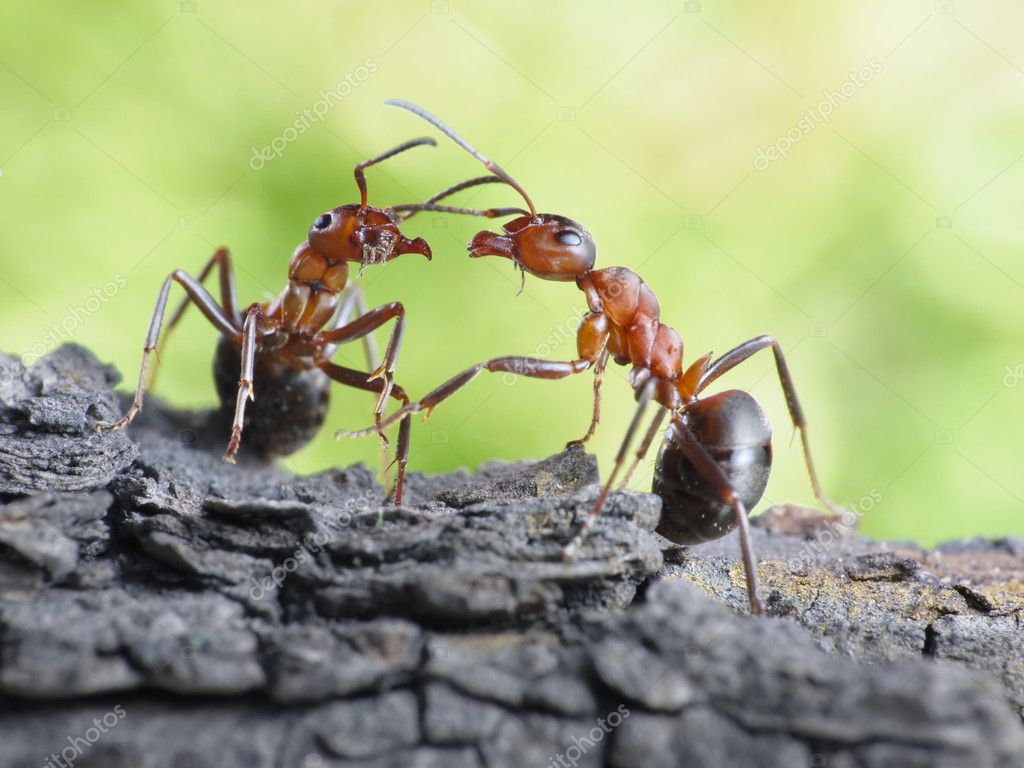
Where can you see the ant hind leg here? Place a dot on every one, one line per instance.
(199, 296)
(743, 352)
(646, 394)
(708, 467)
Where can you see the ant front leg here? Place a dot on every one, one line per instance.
(591, 342)
(198, 295)
(530, 367)
(645, 396)
(602, 361)
(358, 380)
(385, 372)
(245, 381)
(748, 349)
(355, 303)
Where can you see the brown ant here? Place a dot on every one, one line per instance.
(286, 344)
(715, 461)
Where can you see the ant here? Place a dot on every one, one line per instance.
(714, 464)
(285, 345)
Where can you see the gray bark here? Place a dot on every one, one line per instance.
(240, 616)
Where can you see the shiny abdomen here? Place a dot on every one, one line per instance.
(735, 431)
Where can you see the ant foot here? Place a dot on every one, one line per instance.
(236, 440)
(124, 421)
(569, 550)
(388, 384)
(835, 509)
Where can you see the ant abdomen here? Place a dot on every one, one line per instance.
(735, 431)
(291, 406)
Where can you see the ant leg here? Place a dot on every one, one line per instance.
(591, 342)
(366, 324)
(645, 396)
(652, 432)
(521, 366)
(734, 357)
(354, 302)
(209, 307)
(221, 259)
(708, 467)
(245, 388)
(358, 380)
(602, 361)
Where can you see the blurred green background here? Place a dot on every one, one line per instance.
(881, 245)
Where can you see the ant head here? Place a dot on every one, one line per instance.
(544, 244)
(362, 234)
(549, 246)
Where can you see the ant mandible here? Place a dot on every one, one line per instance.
(285, 345)
(714, 464)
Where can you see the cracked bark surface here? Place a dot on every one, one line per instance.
(241, 616)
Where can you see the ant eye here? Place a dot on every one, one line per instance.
(323, 222)
(568, 237)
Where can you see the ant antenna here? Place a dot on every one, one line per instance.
(406, 212)
(361, 177)
(490, 165)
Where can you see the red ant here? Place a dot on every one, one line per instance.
(286, 344)
(716, 458)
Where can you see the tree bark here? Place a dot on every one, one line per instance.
(159, 608)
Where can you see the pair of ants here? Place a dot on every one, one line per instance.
(714, 462)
